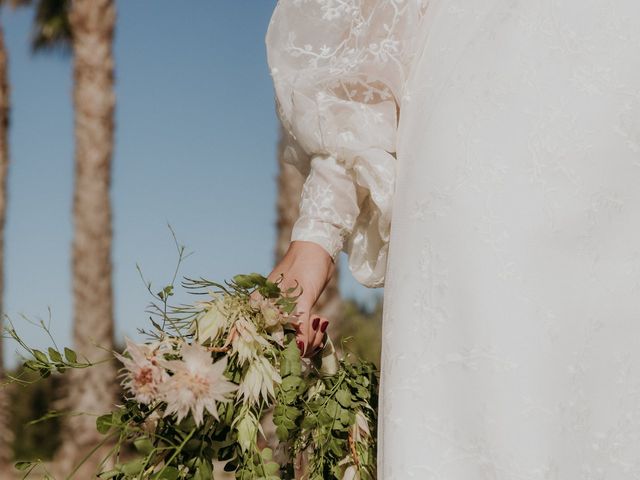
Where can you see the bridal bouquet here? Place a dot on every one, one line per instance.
(199, 389)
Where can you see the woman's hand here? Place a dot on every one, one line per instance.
(312, 267)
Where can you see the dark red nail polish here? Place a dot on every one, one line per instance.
(315, 323)
(300, 345)
(324, 326)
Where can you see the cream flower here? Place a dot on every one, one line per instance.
(143, 375)
(351, 473)
(360, 429)
(246, 341)
(209, 324)
(196, 384)
(247, 430)
(270, 312)
(259, 381)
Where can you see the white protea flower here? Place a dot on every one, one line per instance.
(212, 322)
(196, 384)
(259, 381)
(246, 341)
(143, 372)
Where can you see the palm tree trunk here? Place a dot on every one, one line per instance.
(6, 437)
(91, 390)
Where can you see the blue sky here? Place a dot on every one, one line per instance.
(196, 135)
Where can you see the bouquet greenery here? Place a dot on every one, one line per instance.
(199, 387)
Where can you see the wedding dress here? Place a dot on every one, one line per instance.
(481, 160)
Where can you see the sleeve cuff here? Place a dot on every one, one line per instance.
(327, 235)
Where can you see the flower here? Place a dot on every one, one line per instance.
(150, 423)
(360, 429)
(259, 380)
(272, 314)
(196, 384)
(210, 323)
(143, 375)
(351, 473)
(246, 341)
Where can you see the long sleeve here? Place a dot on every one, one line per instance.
(339, 68)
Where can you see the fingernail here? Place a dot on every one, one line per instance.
(324, 326)
(315, 323)
(300, 345)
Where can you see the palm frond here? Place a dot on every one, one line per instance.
(51, 28)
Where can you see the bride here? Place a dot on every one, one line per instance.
(481, 160)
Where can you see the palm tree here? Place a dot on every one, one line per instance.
(5, 431)
(92, 25)
(6, 437)
(50, 30)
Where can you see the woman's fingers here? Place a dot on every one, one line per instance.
(310, 328)
(324, 323)
(305, 332)
(320, 325)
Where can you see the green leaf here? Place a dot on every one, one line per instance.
(249, 281)
(134, 467)
(271, 468)
(169, 473)
(143, 445)
(290, 383)
(336, 446)
(288, 424)
(282, 433)
(109, 474)
(70, 355)
(345, 417)
(344, 398)
(22, 466)
(266, 453)
(55, 355)
(309, 422)
(205, 469)
(104, 423)
(40, 356)
(292, 413)
(269, 290)
(332, 408)
(32, 365)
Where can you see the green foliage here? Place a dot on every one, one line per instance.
(31, 400)
(324, 411)
(51, 29)
(359, 330)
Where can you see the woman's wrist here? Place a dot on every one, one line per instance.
(311, 247)
(325, 235)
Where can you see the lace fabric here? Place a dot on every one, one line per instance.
(338, 69)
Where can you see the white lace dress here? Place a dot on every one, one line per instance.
(481, 159)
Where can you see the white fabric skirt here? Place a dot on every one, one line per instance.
(511, 331)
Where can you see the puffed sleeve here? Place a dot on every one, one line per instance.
(338, 69)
